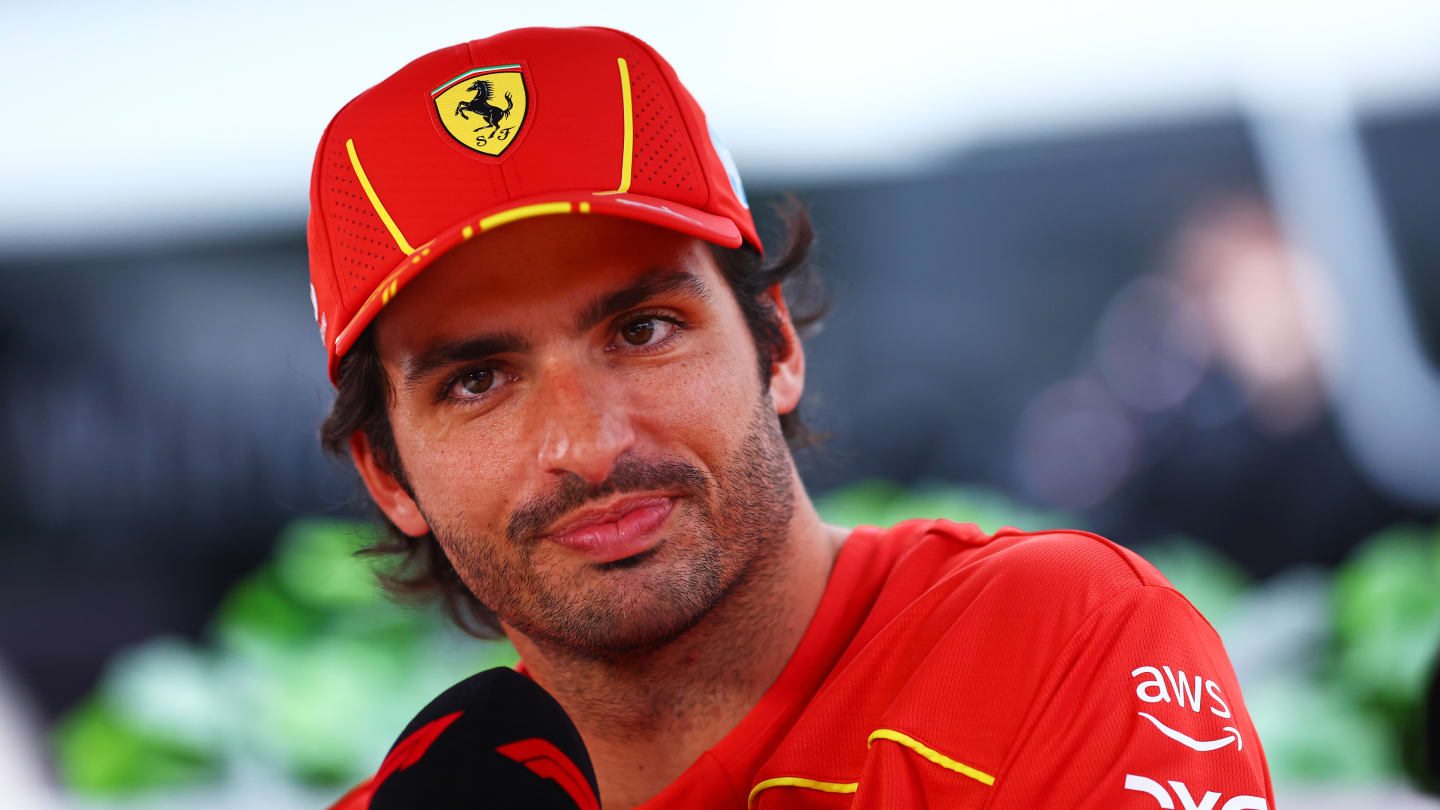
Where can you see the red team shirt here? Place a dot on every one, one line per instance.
(949, 668)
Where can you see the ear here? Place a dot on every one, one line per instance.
(387, 493)
(787, 374)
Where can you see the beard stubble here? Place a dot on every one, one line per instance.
(736, 524)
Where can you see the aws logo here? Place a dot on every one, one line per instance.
(483, 108)
(1174, 686)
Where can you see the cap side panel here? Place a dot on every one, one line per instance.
(666, 163)
(699, 136)
(374, 198)
(718, 199)
(361, 246)
(317, 238)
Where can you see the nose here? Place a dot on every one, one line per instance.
(582, 422)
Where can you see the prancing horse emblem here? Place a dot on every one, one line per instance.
(467, 107)
(480, 105)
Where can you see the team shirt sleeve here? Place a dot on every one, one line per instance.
(1069, 676)
(1144, 712)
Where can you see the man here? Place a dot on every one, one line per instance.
(567, 377)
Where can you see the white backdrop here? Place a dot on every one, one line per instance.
(144, 120)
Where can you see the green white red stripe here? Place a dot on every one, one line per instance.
(467, 74)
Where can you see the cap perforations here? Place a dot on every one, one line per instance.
(361, 247)
(664, 158)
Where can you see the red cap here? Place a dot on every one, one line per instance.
(526, 123)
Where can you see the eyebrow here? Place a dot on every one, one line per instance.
(651, 285)
(442, 353)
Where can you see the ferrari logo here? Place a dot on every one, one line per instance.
(483, 108)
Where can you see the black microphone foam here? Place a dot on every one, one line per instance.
(494, 740)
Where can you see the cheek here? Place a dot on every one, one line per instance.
(457, 469)
(708, 395)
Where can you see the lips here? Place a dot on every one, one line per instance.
(616, 531)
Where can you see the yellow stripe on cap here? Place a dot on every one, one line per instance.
(628, 152)
(523, 212)
(930, 754)
(801, 782)
(375, 199)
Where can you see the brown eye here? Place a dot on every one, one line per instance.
(474, 383)
(645, 334)
(638, 333)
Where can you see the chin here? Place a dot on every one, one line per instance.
(653, 607)
(612, 634)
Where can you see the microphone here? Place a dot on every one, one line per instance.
(496, 740)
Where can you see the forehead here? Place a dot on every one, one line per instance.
(537, 269)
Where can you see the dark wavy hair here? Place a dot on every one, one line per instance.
(419, 571)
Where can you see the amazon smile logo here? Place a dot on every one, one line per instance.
(1191, 742)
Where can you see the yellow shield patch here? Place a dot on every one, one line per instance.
(483, 108)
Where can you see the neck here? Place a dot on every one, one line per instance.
(646, 718)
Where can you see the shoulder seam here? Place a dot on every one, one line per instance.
(1114, 548)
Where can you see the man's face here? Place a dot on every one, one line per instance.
(581, 425)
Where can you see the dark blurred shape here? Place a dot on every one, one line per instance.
(1076, 445)
(1431, 722)
(159, 415)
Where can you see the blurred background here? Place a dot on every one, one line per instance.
(1167, 272)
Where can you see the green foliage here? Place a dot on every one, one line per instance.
(1314, 732)
(259, 607)
(315, 563)
(101, 750)
(882, 503)
(1387, 616)
(310, 671)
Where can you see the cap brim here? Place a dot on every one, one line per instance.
(653, 210)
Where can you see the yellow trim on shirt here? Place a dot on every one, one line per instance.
(801, 782)
(850, 787)
(930, 754)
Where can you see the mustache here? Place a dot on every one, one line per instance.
(629, 475)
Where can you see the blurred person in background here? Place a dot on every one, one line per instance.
(570, 380)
